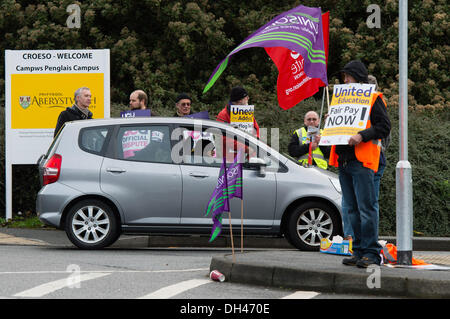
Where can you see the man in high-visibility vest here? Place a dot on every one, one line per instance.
(358, 162)
(301, 142)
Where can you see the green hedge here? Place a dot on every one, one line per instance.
(166, 47)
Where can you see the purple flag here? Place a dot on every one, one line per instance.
(229, 185)
(299, 30)
(234, 178)
(218, 203)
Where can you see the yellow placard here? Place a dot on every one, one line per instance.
(38, 99)
(241, 113)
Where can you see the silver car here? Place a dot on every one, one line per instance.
(101, 178)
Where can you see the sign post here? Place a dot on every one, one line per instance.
(348, 113)
(39, 84)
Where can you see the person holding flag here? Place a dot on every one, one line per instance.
(302, 141)
(238, 96)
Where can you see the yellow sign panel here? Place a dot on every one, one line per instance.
(241, 113)
(38, 99)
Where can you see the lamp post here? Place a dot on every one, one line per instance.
(404, 209)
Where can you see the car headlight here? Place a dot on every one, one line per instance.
(336, 185)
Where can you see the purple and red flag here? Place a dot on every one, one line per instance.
(293, 84)
(299, 30)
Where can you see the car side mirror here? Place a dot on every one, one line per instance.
(258, 163)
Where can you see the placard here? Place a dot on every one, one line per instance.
(242, 116)
(348, 113)
(136, 113)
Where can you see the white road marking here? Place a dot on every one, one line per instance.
(301, 295)
(99, 271)
(173, 290)
(50, 287)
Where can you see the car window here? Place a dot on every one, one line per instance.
(144, 143)
(207, 146)
(92, 139)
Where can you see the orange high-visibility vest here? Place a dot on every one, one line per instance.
(368, 153)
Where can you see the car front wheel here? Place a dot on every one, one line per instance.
(309, 223)
(91, 224)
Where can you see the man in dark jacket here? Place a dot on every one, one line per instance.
(238, 96)
(79, 111)
(358, 162)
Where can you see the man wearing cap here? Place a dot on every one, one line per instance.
(238, 96)
(358, 162)
(183, 104)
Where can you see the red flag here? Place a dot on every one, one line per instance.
(293, 85)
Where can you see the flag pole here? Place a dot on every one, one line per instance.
(242, 225)
(321, 108)
(328, 100)
(231, 235)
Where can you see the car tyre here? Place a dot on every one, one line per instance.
(91, 224)
(309, 223)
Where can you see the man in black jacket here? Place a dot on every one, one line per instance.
(358, 162)
(79, 111)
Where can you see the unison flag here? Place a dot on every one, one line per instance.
(229, 185)
(299, 30)
(293, 85)
(234, 178)
(218, 203)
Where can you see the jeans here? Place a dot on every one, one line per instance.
(359, 200)
(348, 231)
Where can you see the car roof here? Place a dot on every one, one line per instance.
(154, 120)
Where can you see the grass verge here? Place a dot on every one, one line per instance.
(21, 222)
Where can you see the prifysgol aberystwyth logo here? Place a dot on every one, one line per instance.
(25, 101)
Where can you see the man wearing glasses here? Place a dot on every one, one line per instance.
(183, 105)
(306, 135)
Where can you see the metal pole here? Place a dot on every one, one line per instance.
(404, 209)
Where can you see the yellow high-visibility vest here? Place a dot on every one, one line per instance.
(317, 154)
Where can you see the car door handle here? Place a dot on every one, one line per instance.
(198, 174)
(116, 170)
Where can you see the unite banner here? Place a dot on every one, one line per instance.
(348, 113)
(39, 84)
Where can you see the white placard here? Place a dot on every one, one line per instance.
(348, 113)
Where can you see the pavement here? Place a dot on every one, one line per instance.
(269, 261)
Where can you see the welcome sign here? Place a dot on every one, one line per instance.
(39, 84)
(348, 112)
